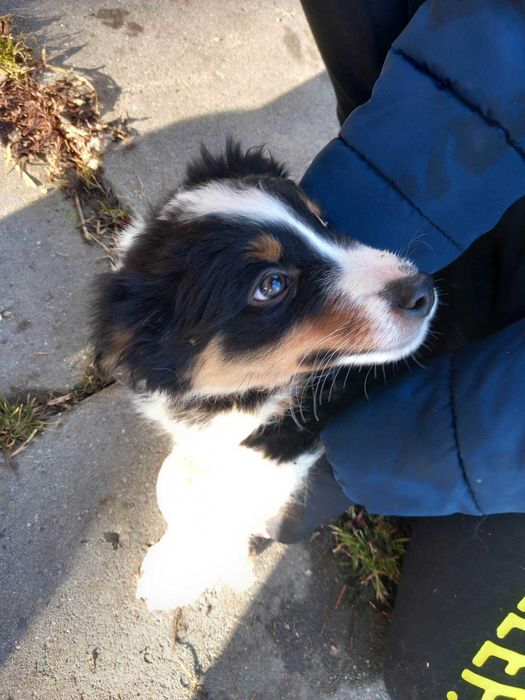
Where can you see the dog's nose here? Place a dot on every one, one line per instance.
(414, 295)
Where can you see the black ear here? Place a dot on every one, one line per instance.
(126, 322)
(137, 331)
(234, 162)
(112, 321)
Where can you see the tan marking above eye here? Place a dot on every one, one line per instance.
(265, 248)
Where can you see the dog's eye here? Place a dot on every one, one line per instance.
(270, 286)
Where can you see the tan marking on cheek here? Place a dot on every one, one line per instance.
(215, 373)
(332, 331)
(265, 248)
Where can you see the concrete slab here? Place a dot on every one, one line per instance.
(45, 274)
(194, 71)
(76, 517)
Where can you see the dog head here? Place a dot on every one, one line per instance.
(236, 283)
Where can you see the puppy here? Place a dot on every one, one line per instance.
(230, 304)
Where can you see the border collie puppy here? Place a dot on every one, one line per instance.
(228, 301)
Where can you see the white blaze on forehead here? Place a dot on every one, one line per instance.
(223, 199)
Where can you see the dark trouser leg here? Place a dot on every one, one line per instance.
(353, 37)
(322, 501)
(462, 581)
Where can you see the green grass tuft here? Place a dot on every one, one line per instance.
(22, 419)
(16, 58)
(19, 422)
(117, 217)
(374, 547)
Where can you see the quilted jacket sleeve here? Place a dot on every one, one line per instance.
(429, 164)
(448, 439)
(437, 154)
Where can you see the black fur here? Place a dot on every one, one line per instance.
(233, 163)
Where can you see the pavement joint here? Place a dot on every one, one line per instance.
(49, 403)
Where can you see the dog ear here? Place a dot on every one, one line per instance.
(113, 324)
(233, 163)
(137, 334)
(126, 322)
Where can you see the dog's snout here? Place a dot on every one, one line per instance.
(413, 296)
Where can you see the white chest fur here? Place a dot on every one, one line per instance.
(212, 487)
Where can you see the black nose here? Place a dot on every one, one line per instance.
(413, 295)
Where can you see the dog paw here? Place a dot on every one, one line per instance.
(175, 572)
(239, 576)
(166, 582)
(159, 596)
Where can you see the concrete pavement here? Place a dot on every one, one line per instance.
(77, 508)
(46, 271)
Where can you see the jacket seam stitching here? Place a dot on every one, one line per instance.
(446, 84)
(456, 435)
(400, 192)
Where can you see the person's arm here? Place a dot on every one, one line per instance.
(429, 164)
(437, 155)
(446, 439)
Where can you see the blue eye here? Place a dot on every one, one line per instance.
(270, 286)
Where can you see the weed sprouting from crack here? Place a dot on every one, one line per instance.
(20, 421)
(374, 547)
(23, 417)
(100, 213)
(51, 129)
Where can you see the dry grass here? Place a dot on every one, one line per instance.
(51, 129)
(374, 547)
(90, 384)
(49, 116)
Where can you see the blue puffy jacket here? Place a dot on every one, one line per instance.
(434, 160)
